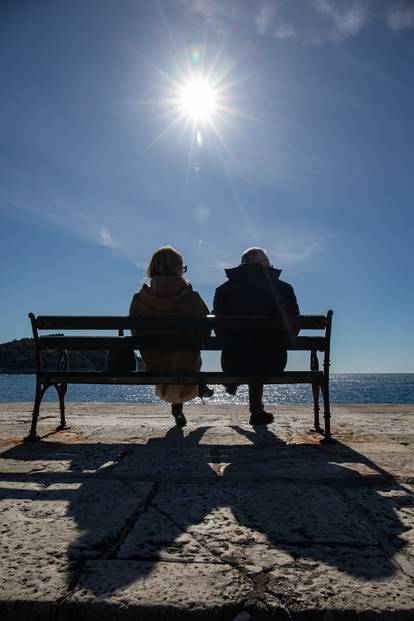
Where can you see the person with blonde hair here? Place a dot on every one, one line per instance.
(169, 293)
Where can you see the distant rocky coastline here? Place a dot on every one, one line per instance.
(18, 356)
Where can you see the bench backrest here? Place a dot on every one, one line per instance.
(169, 332)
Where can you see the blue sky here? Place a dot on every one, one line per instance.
(309, 154)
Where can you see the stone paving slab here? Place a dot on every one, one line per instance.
(393, 456)
(125, 516)
(171, 464)
(136, 589)
(345, 585)
(284, 513)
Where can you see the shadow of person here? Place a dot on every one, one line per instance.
(325, 504)
(243, 502)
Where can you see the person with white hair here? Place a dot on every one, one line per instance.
(254, 288)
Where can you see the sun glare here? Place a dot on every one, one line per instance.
(197, 100)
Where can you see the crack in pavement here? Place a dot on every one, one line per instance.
(258, 581)
(130, 523)
(79, 566)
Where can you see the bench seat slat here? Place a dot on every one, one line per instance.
(170, 343)
(50, 322)
(204, 377)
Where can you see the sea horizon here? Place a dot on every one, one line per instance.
(344, 388)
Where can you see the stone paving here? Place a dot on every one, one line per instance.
(125, 516)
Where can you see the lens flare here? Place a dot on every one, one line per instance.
(199, 138)
(195, 55)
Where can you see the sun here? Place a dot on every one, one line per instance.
(198, 100)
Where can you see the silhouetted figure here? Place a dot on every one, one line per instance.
(254, 288)
(169, 293)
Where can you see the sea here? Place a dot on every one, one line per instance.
(345, 388)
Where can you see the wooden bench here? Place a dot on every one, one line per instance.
(195, 335)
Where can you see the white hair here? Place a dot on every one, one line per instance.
(255, 255)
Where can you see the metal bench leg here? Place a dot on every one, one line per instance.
(40, 391)
(325, 385)
(317, 426)
(61, 391)
(326, 413)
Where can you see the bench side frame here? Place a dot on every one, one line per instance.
(42, 385)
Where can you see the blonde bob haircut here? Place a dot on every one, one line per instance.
(166, 261)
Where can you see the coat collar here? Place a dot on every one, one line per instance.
(251, 270)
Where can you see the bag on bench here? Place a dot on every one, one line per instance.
(121, 361)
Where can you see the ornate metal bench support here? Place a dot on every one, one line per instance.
(41, 387)
(325, 387)
(326, 412)
(61, 391)
(315, 390)
(40, 391)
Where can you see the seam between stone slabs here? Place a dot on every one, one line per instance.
(80, 564)
(201, 542)
(77, 572)
(119, 537)
(202, 545)
(104, 473)
(124, 453)
(258, 581)
(131, 521)
(340, 544)
(155, 560)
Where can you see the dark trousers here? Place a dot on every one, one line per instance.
(255, 398)
(254, 363)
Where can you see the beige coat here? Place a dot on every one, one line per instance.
(174, 296)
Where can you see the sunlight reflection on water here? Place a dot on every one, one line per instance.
(345, 388)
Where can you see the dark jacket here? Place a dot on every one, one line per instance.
(253, 289)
